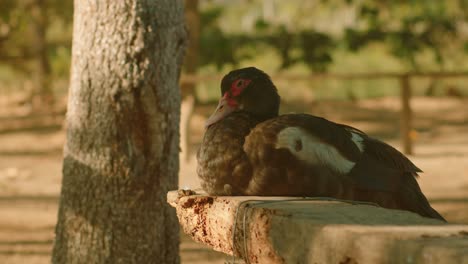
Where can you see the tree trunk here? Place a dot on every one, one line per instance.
(121, 154)
(41, 94)
(192, 17)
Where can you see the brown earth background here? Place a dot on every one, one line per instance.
(31, 159)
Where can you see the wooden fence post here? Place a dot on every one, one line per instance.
(406, 114)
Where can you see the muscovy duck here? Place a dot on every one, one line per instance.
(248, 149)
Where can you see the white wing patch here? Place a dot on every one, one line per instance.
(310, 149)
(358, 141)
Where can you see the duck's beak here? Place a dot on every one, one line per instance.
(222, 110)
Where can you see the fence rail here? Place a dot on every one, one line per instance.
(338, 76)
(405, 89)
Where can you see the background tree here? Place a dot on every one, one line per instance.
(310, 32)
(42, 92)
(190, 65)
(409, 28)
(121, 154)
(35, 40)
(294, 36)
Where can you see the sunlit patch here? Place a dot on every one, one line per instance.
(312, 150)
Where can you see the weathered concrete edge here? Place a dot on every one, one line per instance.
(211, 220)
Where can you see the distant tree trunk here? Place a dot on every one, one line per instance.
(192, 17)
(42, 94)
(121, 154)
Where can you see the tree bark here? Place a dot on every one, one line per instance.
(121, 154)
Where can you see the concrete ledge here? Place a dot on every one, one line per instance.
(292, 230)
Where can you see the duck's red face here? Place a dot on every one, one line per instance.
(247, 89)
(236, 89)
(229, 102)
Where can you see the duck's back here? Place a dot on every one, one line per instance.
(292, 155)
(304, 155)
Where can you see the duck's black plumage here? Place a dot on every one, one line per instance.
(249, 150)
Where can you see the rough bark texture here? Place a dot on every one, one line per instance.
(121, 155)
(273, 230)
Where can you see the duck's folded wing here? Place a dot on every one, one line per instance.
(310, 138)
(370, 164)
(303, 153)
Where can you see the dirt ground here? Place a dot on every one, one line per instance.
(31, 156)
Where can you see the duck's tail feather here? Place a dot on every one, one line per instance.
(411, 198)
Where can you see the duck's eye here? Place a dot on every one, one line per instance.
(238, 86)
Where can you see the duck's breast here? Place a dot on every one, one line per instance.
(223, 167)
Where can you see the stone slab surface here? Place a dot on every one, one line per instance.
(316, 230)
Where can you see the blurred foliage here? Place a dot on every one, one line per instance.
(409, 27)
(220, 48)
(276, 35)
(17, 41)
(406, 28)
